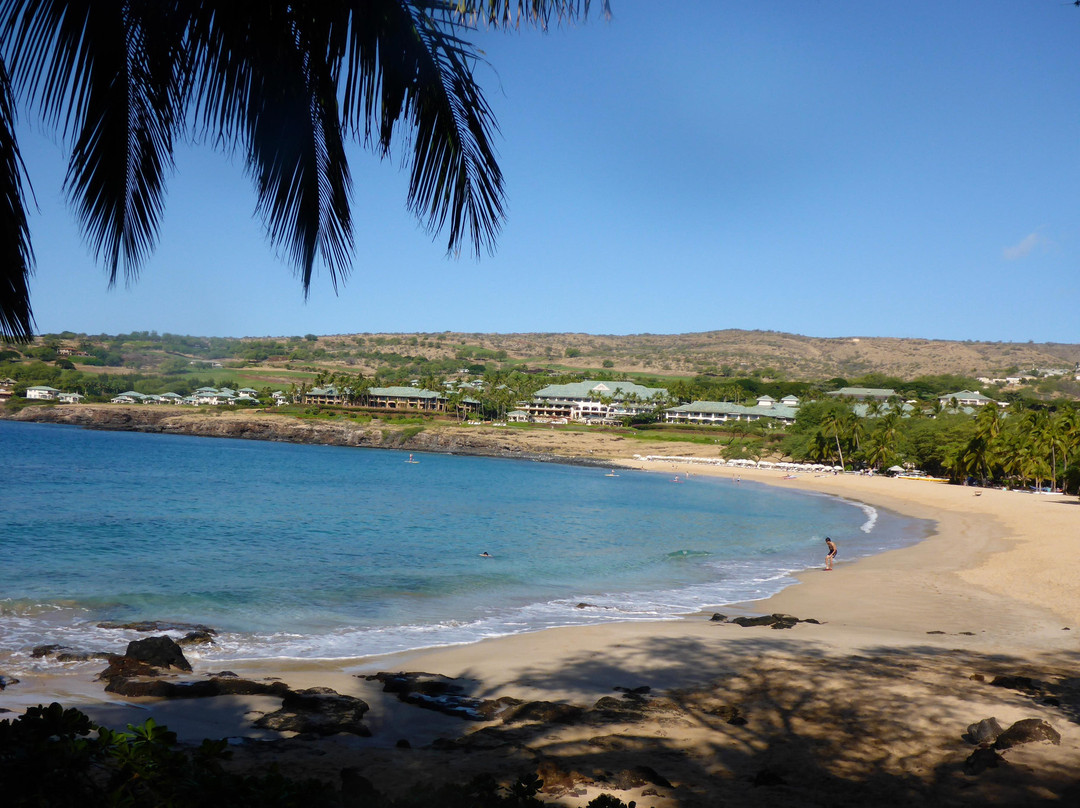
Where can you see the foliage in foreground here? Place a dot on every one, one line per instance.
(57, 757)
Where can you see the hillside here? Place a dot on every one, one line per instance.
(793, 356)
(730, 353)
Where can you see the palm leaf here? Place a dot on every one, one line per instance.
(110, 74)
(512, 13)
(16, 255)
(264, 83)
(116, 77)
(405, 64)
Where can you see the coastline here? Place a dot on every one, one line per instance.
(870, 705)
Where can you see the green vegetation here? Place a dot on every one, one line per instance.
(1029, 444)
(57, 757)
(51, 756)
(1034, 442)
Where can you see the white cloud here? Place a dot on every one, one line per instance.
(1025, 246)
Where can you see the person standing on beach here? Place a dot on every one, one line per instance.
(830, 555)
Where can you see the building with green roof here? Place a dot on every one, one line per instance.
(717, 412)
(593, 401)
(405, 398)
(864, 393)
(966, 398)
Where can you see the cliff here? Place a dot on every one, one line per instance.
(448, 438)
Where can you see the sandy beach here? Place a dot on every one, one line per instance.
(868, 705)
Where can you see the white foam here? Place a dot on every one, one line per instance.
(871, 517)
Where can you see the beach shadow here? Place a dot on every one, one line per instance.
(754, 717)
(883, 726)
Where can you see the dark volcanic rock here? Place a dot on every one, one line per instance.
(558, 781)
(545, 712)
(83, 656)
(65, 654)
(778, 621)
(125, 667)
(982, 759)
(430, 684)
(161, 652)
(1025, 684)
(729, 714)
(718, 618)
(612, 703)
(746, 622)
(169, 689)
(1027, 730)
(197, 638)
(47, 650)
(158, 625)
(637, 777)
(985, 731)
(318, 710)
(442, 694)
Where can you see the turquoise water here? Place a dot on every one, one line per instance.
(320, 551)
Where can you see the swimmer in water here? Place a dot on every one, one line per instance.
(486, 554)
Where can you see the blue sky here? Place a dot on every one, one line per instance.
(818, 167)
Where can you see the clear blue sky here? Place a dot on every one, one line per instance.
(828, 168)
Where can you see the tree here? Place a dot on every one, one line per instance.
(283, 83)
(834, 425)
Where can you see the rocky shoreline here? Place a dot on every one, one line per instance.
(480, 441)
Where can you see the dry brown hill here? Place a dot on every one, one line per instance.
(792, 355)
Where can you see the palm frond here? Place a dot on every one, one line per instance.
(110, 74)
(539, 13)
(265, 83)
(281, 81)
(16, 254)
(404, 64)
(455, 176)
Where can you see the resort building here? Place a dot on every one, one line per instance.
(593, 401)
(7, 389)
(130, 397)
(69, 398)
(215, 398)
(203, 396)
(42, 392)
(863, 393)
(405, 398)
(966, 398)
(329, 395)
(717, 412)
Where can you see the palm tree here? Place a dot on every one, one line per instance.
(834, 424)
(883, 440)
(1069, 427)
(988, 422)
(285, 84)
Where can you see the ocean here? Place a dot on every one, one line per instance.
(298, 551)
